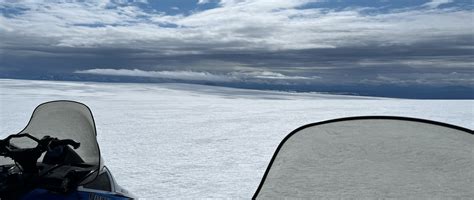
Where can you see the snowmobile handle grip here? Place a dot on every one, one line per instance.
(56, 142)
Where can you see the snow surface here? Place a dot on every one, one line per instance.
(192, 141)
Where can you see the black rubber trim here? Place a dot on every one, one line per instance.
(349, 119)
(93, 123)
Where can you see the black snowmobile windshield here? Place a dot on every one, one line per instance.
(372, 158)
(63, 120)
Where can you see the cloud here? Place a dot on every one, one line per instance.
(177, 75)
(195, 76)
(236, 25)
(423, 79)
(246, 40)
(381, 77)
(203, 1)
(269, 75)
(437, 3)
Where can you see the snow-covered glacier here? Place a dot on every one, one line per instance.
(193, 141)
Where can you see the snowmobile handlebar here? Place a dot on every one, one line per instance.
(45, 143)
(53, 142)
(27, 157)
(13, 183)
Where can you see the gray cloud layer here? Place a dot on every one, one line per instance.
(418, 45)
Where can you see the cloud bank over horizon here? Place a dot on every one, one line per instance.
(194, 76)
(291, 42)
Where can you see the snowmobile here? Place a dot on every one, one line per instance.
(56, 156)
(372, 157)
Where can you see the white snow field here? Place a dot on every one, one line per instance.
(192, 141)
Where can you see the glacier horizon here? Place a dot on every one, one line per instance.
(262, 80)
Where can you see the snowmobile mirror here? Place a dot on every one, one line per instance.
(372, 157)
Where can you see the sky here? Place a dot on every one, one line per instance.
(403, 48)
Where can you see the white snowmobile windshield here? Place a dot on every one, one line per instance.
(372, 158)
(63, 120)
